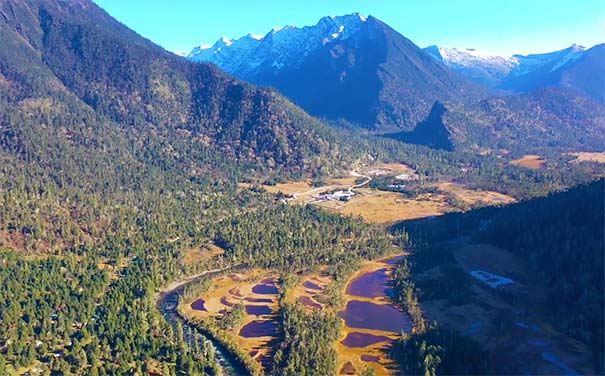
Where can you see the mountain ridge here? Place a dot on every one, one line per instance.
(525, 73)
(352, 67)
(74, 48)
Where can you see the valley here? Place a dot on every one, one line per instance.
(318, 200)
(385, 194)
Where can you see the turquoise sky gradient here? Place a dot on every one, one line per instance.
(501, 26)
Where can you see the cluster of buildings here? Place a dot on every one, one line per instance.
(335, 196)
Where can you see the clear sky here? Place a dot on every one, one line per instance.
(500, 26)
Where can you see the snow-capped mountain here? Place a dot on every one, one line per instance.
(548, 62)
(483, 67)
(504, 71)
(350, 67)
(576, 68)
(282, 46)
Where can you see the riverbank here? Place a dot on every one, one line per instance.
(167, 301)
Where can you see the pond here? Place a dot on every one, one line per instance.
(308, 302)
(199, 305)
(371, 317)
(368, 315)
(259, 300)
(265, 289)
(371, 285)
(312, 286)
(258, 310)
(370, 358)
(259, 328)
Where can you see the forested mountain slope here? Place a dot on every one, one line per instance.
(99, 126)
(73, 49)
(553, 118)
(559, 238)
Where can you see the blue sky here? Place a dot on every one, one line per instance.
(500, 26)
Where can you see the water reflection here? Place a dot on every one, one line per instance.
(367, 315)
(259, 328)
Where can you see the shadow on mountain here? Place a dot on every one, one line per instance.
(431, 132)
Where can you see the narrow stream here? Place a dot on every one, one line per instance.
(167, 304)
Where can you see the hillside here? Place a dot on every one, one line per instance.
(97, 123)
(552, 247)
(75, 50)
(553, 118)
(572, 68)
(349, 67)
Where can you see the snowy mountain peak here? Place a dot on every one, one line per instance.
(548, 62)
(482, 66)
(223, 42)
(492, 69)
(281, 46)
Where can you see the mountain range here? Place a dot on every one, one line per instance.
(359, 69)
(351, 67)
(131, 179)
(575, 67)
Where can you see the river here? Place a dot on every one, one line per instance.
(167, 304)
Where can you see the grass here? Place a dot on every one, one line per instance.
(349, 354)
(388, 207)
(299, 291)
(534, 162)
(588, 157)
(290, 188)
(234, 288)
(384, 207)
(194, 256)
(472, 197)
(392, 168)
(498, 311)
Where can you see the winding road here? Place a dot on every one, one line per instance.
(358, 175)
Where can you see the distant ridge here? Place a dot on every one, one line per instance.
(576, 67)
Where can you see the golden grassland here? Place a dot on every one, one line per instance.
(385, 207)
(588, 157)
(390, 168)
(530, 161)
(388, 207)
(472, 197)
(234, 288)
(300, 291)
(290, 188)
(193, 256)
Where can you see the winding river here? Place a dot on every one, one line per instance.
(167, 304)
